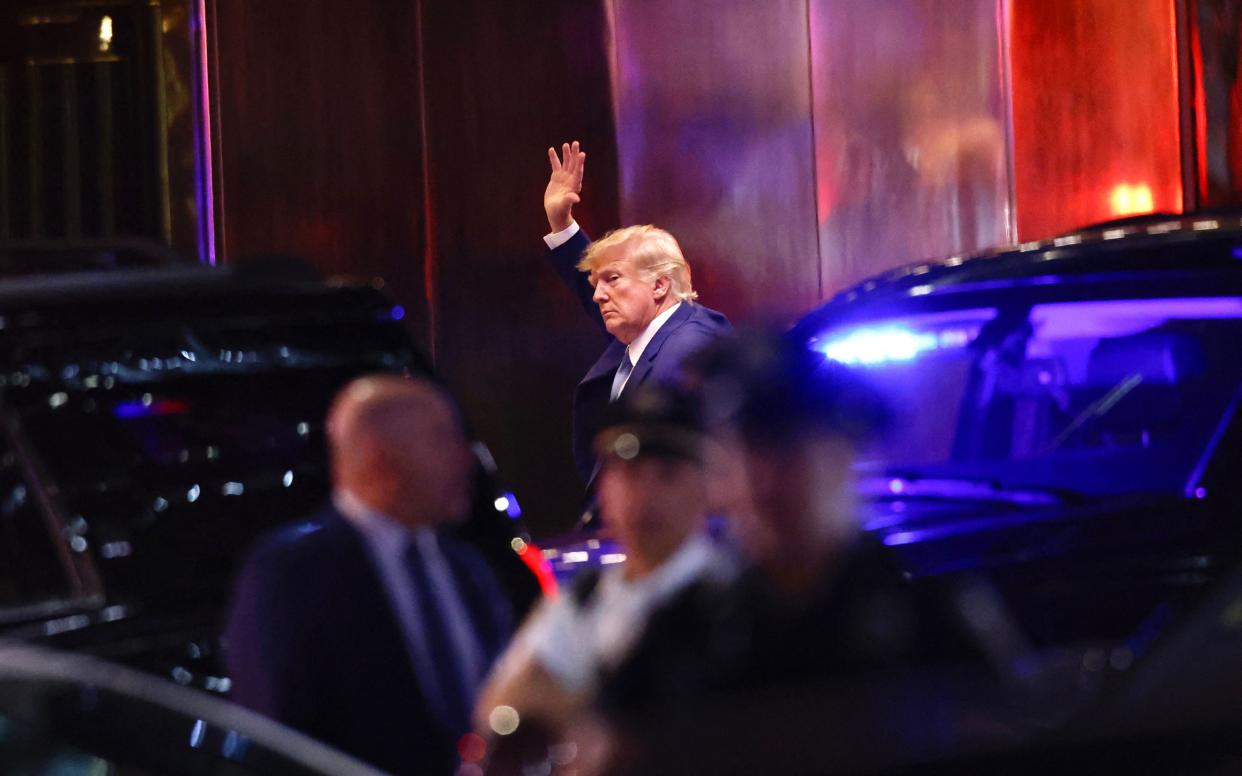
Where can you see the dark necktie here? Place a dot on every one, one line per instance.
(449, 686)
(623, 371)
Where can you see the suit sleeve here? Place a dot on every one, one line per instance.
(266, 644)
(565, 260)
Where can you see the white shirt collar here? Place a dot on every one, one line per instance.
(380, 529)
(687, 563)
(640, 343)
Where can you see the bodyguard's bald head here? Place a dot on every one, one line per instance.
(372, 408)
(397, 443)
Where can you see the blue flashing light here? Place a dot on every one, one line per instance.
(871, 346)
(900, 538)
(894, 341)
(511, 507)
(397, 312)
(1237, 253)
(148, 407)
(131, 409)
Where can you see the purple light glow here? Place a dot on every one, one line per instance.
(204, 191)
(900, 538)
(958, 528)
(1122, 317)
(952, 489)
(129, 410)
(397, 312)
(512, 508)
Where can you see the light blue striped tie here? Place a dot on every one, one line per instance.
(623, 372)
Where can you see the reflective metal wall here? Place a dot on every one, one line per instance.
(712, 105)
(96, 122)
(1095, 112)
(910, 127)
(796, 146)
(799, 146)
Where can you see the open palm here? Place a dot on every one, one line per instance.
(564, 184)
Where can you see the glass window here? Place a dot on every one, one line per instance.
(1106, 396)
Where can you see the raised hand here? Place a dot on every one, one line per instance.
(564, 184)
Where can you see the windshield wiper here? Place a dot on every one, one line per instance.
(1096, 409)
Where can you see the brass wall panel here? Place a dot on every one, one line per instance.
(1095, 106)
(712, 105)
(910, 132)
(96, 136)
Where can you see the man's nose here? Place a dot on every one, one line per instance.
(600, 295)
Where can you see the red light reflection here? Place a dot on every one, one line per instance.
(1096, 131)
(532, 556)
(1127, 200)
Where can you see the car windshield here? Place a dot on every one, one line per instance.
(1099, 397)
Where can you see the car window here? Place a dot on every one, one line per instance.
(1096, 396)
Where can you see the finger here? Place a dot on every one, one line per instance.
(565, 161)
(579, 170)
(553, 159)
(573, 198)
(573, 152)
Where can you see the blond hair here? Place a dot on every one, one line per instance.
(655, 254)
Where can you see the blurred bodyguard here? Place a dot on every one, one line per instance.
(369, 627)
(818, 597)
(653, 496)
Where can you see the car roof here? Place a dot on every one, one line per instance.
(1192, 254)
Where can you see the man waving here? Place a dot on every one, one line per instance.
(634, 282)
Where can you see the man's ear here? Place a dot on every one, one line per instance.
(661, 288)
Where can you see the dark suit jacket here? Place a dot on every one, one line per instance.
(689, 329)
(312, 641)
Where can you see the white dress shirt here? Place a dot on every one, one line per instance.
(557, 239)
(574, 642)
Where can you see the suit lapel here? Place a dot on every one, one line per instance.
(644, 365)
(606, 365)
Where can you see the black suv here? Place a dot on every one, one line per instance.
(154, 419)
(1067, 419)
